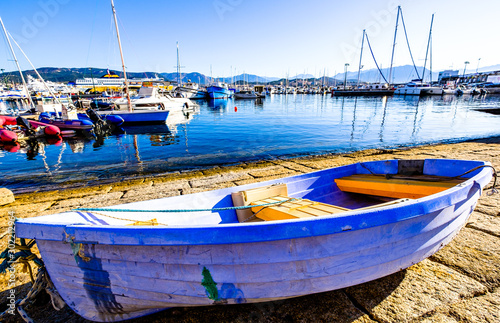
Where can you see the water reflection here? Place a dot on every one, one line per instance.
(222, 132)
(217, 104)
(381, 133)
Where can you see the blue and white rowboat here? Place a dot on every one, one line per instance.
(106, 269)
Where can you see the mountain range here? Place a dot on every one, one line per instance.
(400, 74)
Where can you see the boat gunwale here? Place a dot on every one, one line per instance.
(228, 233)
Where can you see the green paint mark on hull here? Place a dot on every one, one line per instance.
(209, 284)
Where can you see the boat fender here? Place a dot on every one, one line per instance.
(9, 121)
(51, 130)
(8, 136)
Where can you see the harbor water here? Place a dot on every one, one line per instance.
(235, 131)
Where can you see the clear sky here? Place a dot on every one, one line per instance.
(264, 37)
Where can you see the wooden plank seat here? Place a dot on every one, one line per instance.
(399, 187)
(295, 209)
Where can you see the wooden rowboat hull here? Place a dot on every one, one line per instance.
(110, 272)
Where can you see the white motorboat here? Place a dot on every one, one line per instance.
(148, 98)
(418, 88)
(245, 94)
(191, 91)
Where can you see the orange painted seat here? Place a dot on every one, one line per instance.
(397, 186)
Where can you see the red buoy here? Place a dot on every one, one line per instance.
(235, 109)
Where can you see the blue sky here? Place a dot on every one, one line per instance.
(264, 37)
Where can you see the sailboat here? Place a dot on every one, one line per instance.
(418, 86)
(189, 90)
(370, 90)
(25, 92)
(157, 108)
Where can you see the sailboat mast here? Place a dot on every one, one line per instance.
(361, 56)
(178, 67)
(428, 44)
(17, 63)
(121, 54)
(38, 74)
(394, 46)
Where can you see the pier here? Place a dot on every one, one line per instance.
(458, 284)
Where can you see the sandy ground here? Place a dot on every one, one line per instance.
(458, 284)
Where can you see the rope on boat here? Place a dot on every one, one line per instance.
(189, 210)
(395, 176)
(42, 281)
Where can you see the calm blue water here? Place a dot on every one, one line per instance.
(278, 126)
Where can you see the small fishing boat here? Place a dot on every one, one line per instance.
(218, 91)
(259, 242)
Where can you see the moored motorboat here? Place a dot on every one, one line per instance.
(245, 94)
(417, 87)
(218, 91)
(259, 242)
(149, 98)
(450, 90)
(149, 106)
(137, 116)
(191, 91)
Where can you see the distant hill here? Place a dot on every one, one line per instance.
(302, 76)
(203, 79)
(401, 74)
(66, 75)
